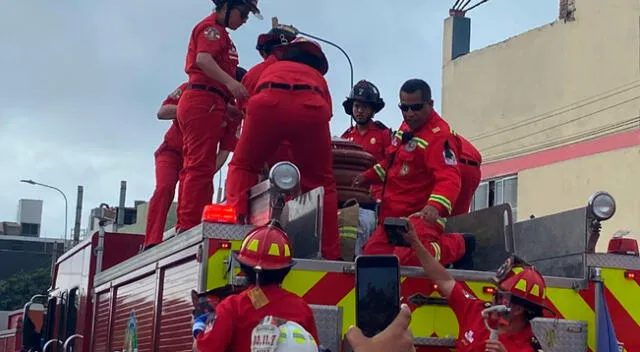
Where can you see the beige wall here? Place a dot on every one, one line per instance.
(541, 191)
(141, 219)
(552, 67)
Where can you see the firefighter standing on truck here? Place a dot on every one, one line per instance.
(374, 137)
(265, 258)
(291, 102)
(264, 45)
(169, 161)
(521, 288)
(211, 65)
(420, 176)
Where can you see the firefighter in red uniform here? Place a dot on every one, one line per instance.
(168, 160)
(420, 176)
(520, 287)
(211, 66)
(470, 175)
(291, 102)
(374, 137)
(265, 258)
(265, 44)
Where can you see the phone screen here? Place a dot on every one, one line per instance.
(378, 294)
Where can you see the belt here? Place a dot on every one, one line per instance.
(209, 89)
(286, 86)
(469, 162)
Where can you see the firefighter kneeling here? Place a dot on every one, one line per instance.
(265, 258)
(519, 298)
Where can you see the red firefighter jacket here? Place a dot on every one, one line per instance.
(421, 169)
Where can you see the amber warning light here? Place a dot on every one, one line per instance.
(219, 213)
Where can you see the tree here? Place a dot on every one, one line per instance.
(18, 289)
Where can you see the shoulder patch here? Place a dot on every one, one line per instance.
(449, 155)
(380, 125)
(176, 94)
(211, 33)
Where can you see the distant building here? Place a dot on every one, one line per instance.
(554, 111)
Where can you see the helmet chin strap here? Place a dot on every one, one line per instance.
(227, 14)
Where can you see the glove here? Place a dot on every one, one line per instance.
(199, 324)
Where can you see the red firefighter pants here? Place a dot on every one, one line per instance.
(470, 179)
(168, 165)
(200, 115)
(301, 118)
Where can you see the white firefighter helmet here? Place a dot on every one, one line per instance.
(278, 335)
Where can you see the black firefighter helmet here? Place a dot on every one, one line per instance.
(275, 36)
(365, 92)
(251, 4)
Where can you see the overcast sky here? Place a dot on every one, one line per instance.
(82, 80)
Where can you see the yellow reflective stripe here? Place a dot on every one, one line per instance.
(453, 132)
(380, 171)
(626, 291)
(253, 245)
(437, 252)
(420, 142)
(442, 222)
(399, 134)
(442, 200)
(274, 249)
(348, 232)
(573, 307)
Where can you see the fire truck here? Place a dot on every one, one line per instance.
(107, 296)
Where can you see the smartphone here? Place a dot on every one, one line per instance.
(377, 292)
(395, 227)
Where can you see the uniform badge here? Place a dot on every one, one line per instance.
(176, 94)
(411, 146)
(449, 157)
(372, 140)
(404, 170)
(394, 142)
(212, 33)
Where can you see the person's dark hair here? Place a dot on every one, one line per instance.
(267, 277)
(303, 57)
(415, 85)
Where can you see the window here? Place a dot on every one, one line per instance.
(497, 191)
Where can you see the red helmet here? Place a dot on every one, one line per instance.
(266, 248)
(310, 46)
(526, 283)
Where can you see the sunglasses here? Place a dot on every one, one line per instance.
(244, 11)
(413, 107)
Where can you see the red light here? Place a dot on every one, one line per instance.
(219, 213)
(435, 287)
(224, 245)
(489, 290)
(630, 275)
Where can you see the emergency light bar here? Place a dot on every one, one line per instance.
(219, 213)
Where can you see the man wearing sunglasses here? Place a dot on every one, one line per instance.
(521, 289)
(420, 176)
(211, 64)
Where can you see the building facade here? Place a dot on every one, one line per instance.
(555, 111)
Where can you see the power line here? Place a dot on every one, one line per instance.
(502, 143)
(622, 126)
(555, 112)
